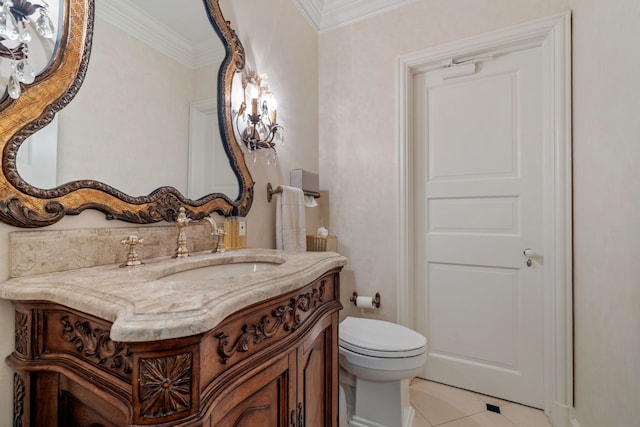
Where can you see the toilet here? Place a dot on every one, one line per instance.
(378, 359)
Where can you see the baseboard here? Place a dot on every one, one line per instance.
(409, 414)
(563, 416)
(362, 422)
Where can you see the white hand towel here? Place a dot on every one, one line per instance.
(290, 223)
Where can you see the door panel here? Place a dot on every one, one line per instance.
(479, 163)
(262, 400)
(481, 143)
(486, 296)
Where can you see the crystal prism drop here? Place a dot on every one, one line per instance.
(13, 87)
(25, 34)
(24, 72)
(280, 135)
(11, 32)
(3, 22)
(44, 26)
(247, 137)
(262, 131)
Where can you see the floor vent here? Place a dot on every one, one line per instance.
(493, 408)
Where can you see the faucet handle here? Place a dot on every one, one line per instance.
(220, 245)
(133, 259)
(182, 221)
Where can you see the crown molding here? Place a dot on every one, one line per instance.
(329, 14)
(150, 31)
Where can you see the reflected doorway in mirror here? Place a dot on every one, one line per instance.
(208, 162)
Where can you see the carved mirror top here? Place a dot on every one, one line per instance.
(24, 205)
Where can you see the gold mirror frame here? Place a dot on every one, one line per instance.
(23, 205)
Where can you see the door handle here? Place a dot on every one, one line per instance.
(529, 253)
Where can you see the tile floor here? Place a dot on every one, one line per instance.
(444, 406)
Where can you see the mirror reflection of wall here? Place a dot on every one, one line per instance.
(37, 157)
(130, 124)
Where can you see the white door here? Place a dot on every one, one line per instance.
(479, 131)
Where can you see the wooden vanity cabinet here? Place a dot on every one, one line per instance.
(295, 389)
(274, 363)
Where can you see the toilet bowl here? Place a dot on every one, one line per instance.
(378, 359)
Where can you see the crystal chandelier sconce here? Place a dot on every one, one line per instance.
(257, 115)
(17, 19)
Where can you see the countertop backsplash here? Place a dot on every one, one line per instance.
(42, 251)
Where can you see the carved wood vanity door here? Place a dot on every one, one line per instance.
(296, 390)
(316, 379)
(263, 400)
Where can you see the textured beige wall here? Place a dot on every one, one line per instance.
(279, 42)
(358, 147)
(358, 123)
(606, 156)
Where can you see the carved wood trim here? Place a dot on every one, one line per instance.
(19, 394)
(165, 385)
(95, 344)
(23, 333)
(234, 62)
(286, 316)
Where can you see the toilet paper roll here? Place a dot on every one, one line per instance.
(364, 302)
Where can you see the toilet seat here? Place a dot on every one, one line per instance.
(377, 338)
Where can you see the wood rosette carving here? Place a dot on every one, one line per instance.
(24, 205)
(165, 385)
(95, 344)
(23, 333)
(286, 317)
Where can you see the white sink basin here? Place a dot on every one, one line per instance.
(221, 270)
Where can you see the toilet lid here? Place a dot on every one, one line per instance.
(379, 338)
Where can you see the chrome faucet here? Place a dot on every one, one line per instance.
(183, 221)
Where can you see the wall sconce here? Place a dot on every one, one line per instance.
(15, 36)
(261, 129)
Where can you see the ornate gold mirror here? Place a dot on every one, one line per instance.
(24, 202)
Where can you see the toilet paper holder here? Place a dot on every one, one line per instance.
(376, 299)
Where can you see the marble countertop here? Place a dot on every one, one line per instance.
(146, 305)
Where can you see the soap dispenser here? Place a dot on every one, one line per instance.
(241, 241)
(229, 234)
(235, 228)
